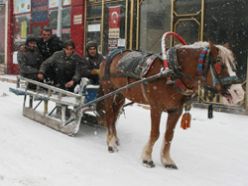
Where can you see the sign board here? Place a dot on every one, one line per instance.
(114, 26)
(53, 3)
(78, 19)
(39, 11)
(94, 28)
(22, 6)
(66, 2)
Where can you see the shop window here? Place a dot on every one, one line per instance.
(187, 7)
(114, 26)
(94, 13)
(22, 27)
(53, 17)
(154, 21)
(66, 23)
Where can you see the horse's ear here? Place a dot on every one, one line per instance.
(227, 45)
(213, 48)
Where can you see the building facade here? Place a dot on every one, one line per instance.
(130, 24)
(219, 21)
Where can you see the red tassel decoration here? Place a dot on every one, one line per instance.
(185, 122)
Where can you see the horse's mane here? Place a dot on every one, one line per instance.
(225, 54)
(227, 58)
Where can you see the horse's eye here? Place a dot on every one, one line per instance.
(218, 59)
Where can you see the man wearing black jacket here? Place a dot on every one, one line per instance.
(48, 44)
(91, 64)
(65, 64)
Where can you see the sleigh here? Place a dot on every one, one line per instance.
(57, 108)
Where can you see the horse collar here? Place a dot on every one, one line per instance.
(203, 61)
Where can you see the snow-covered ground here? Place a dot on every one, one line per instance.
(210, 153)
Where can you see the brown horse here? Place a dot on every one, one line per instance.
(164, 97)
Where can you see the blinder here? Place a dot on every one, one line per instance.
(216, 67)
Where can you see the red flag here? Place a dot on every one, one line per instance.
(114, 17)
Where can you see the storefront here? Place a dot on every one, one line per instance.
(221, 21)
(65, 17)
(113, 24)
(133, 24)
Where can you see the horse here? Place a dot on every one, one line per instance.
(217, 73)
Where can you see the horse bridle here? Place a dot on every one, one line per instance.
(215, 66)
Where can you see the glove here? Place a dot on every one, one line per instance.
(95, 72)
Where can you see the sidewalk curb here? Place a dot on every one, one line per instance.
(8, 79)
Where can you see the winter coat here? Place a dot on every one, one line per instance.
(29, 62)
(65, 68)
(90, 63)
(47, 48)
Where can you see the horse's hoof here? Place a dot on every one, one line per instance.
(149, 164)
(111, 149)
(171, 166)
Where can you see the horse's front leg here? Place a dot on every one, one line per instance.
(112, 140)
(112, 113)
(165, 153)
(154, 134)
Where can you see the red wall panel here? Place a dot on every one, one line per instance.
(11, 68)
(77, 2)
(77, 27)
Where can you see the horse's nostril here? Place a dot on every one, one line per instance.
(235, 91)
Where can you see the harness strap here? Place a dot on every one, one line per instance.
(109, 59)
(214, 77)
(203, 60)
(174, 65)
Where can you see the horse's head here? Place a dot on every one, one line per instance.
(220, 74)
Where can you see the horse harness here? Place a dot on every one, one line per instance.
(205, 63)
(136, 64)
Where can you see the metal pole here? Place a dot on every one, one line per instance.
(202, 19)
(59, 19)
(131, 25)
(102, 27)
(246, 91)
(6, 33)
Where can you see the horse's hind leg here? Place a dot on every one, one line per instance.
(165, 153)
(154, 134)
(112, 112)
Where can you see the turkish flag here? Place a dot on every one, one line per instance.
(114, 17)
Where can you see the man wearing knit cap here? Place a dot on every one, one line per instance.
(91, 64)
